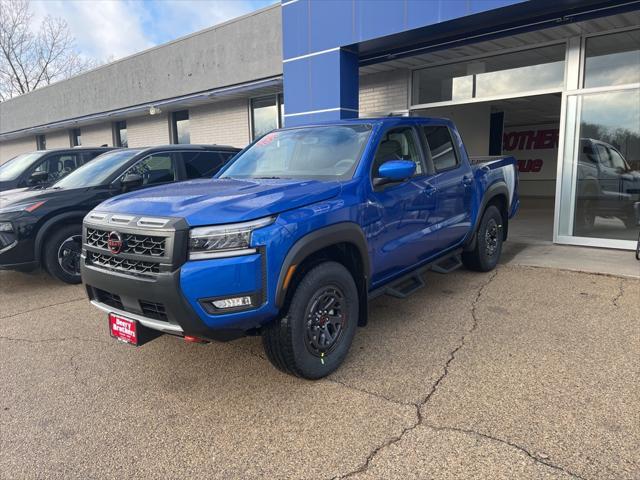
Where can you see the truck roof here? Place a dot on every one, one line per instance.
(381, 121)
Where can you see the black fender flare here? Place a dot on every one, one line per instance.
(494, 190)
(51, 223)
(345, 232)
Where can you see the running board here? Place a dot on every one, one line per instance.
(405, 287)
(448, 265)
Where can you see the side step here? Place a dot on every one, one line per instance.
(405, 287)
(448, 265)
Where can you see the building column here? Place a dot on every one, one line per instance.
(320, 86)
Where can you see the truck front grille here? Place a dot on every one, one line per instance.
(153, 246)
(126, 265)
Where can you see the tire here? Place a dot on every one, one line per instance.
(486, 253)
(296, 345)
(61, 254)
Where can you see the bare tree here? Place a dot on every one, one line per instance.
(32, 58)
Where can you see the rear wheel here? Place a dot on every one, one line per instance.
(62, 254)
(313, 338)
(485, 255)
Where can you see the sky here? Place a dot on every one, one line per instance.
(107, 30)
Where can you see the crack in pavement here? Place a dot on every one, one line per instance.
(535, 458)
(419, 418)
(619, 294)
(43, 307)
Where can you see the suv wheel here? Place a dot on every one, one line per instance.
(313, 338)
(485, 255)
(62, 254)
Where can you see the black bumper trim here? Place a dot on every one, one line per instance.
(163, 288)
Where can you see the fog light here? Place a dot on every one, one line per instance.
(232, 302)
(6, 227)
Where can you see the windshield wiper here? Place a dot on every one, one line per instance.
(267, 178)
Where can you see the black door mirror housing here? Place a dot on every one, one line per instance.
(37, 178)
(131, 180)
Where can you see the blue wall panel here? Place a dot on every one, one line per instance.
(329, 80)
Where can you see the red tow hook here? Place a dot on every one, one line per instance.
(191, 339)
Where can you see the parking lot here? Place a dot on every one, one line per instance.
(519, 373)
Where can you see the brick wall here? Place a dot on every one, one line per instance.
(224, 123)
(96, 135)
(148, 130)
(383, 93)
(58, 139)
(11, 148)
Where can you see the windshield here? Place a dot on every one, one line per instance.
(97, 171)
(11, 169)
(324, 153)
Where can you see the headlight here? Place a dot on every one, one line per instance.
(6, 227)
(21, 207)
(224, 240)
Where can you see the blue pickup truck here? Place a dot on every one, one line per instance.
(294, 236)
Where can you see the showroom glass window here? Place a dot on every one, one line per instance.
(507, 74)
(120, 134)
(75, 137)
(41, 142)
(180, 131)
(612, 59)
(267, 113)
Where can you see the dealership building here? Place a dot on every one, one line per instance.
(556, 83)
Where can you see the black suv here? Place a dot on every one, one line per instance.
(44, 167)
(44, 227)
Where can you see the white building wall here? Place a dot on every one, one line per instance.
(224, 123)
(96, 135)
(12, 148)
(148, 131)
(384, 93)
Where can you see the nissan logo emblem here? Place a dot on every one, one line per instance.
(115, 243)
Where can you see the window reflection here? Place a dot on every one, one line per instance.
(612, 59)
(265, 114)
(181, 131)
(535, 69)
(608, 170)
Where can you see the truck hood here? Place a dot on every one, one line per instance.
(219, 201)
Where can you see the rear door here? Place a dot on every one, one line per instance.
(399, 217)
(453, 179)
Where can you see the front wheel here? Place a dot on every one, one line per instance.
(313, 338)
(62, 254)
(485, 255)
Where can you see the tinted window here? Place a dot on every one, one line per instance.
(154, 169)
(331, 152)
(204, 164)
(180, 127)
(397, 144)
(98, 171)
(440, 144)
(90, 155)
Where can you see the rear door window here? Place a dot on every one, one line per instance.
(440, 143)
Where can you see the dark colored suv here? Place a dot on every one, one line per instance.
(44, 227)
(44, 167)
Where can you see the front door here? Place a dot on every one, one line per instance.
(399, 217)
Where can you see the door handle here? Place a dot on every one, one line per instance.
(430, 190)
(467, 180)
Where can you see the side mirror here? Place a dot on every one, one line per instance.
(131, 180)
(395, 171)
(38, 178)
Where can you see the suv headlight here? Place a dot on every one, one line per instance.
(224, 240)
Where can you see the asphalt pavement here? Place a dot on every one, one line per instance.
(519, 373)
